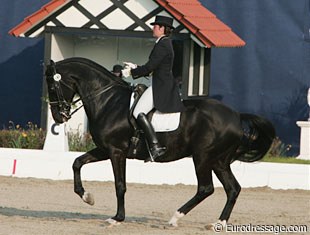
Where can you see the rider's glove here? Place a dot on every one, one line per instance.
(126, 72)
(130, 65)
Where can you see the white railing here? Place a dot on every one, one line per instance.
(58, 166)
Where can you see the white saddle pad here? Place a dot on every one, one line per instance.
(163, 122)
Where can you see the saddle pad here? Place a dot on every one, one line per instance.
(164, 122)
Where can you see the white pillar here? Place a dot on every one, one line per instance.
(56, 137)
(304, 140)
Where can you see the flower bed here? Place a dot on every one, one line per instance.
(33, 137)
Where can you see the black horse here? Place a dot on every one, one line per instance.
(209, 132)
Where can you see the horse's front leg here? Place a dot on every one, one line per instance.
(118, 160)
(91, 156)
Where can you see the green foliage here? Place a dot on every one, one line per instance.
(80, 143)
(30, 137)
(278, 148)
(278, 153)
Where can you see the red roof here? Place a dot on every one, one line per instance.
(36, 17)
(202, 23)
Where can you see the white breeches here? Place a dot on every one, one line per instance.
(145, 103)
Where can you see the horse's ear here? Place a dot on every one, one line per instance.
(49, 63)
(50, 68)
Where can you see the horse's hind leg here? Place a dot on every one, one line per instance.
(91, 156)
(231, 187)
(205, 189)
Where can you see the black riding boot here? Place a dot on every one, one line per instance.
(155, 149)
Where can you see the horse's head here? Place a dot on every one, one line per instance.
(60, 91)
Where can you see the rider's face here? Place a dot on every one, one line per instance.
(158, 31)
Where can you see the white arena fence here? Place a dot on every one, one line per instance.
(58, 166)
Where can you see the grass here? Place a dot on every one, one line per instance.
(278, 153)
(281, 159)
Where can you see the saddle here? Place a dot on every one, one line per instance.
(161, 122)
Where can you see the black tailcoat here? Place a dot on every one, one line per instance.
(165, 89)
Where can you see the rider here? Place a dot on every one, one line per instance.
(117, 70)
(163, 94)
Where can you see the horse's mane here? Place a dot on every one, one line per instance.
(94, 65)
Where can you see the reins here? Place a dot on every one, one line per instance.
(89, 97)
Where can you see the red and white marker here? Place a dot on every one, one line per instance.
(14, 167)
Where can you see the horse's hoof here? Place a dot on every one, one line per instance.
(173, 223)
(174, 220)
(88, 198)
(112, 221)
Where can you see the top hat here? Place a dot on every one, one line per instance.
(164, 21)
(117, 68)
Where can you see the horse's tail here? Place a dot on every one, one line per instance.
(258, 135)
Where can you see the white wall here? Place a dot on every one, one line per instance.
(109, 51)
(58, 166)
(61, 47)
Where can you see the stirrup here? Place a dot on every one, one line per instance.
(133, 146)
(155, 152)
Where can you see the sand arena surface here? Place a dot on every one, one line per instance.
(36, 206)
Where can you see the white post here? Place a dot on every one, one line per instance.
(305, 135)
(56, 138)
(304, 140)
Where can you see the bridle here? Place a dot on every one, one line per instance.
(63, 105)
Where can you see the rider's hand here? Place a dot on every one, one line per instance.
(126, 72)
(130, 65)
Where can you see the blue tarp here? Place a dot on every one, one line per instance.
(21, 67)
(269, 76)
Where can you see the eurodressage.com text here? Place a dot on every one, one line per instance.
(251, 228)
